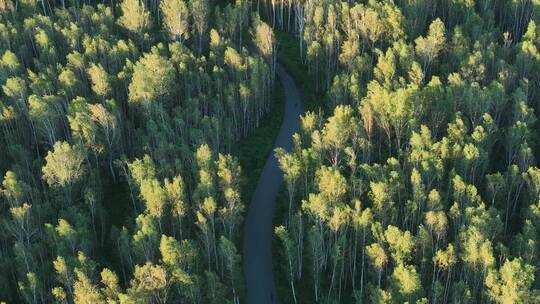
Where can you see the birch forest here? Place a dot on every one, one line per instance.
(414, 176)
(133, 134)
(119, 120)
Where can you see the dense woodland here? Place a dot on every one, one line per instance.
(118, 121)
(418, 183)
(414, 180)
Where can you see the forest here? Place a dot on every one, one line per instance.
(120, 182)
(417, 182)
(133, 133)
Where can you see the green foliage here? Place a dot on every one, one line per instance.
(419, 184)
(135, 17)
(512, 283)
(430, 124)
(152, 82)
(64, 167)
(175, 19)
